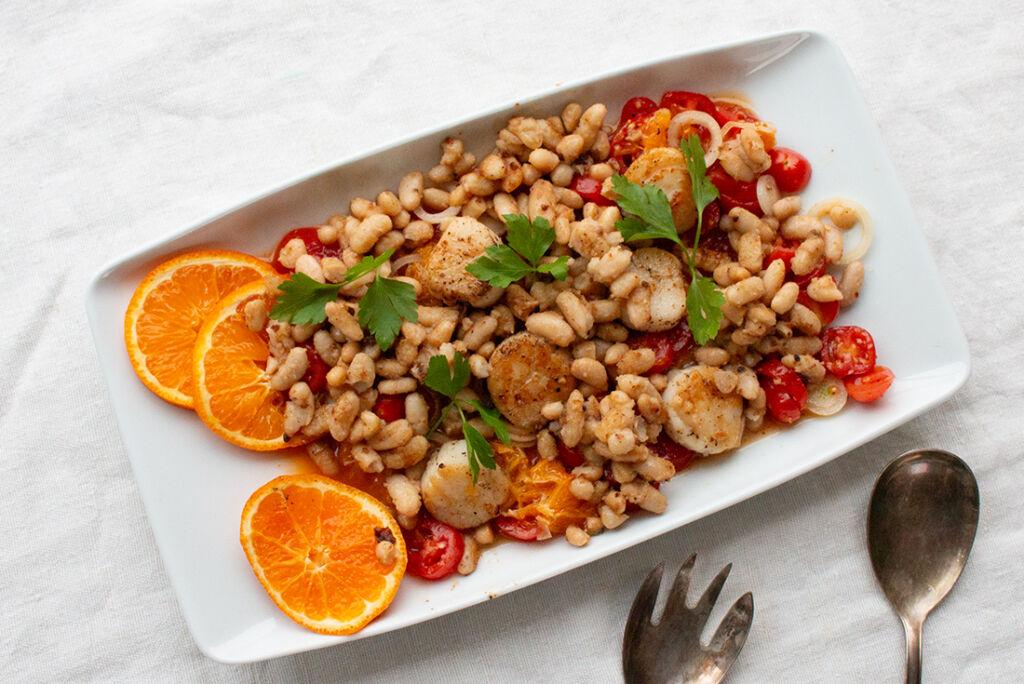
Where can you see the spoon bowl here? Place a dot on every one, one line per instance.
(921, 524)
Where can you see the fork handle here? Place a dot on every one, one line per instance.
(914, 648)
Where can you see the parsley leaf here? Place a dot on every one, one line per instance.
(387, 301)
(704, 309)
(302, 300)
(652, 218)
(449, 382)
(529, 238)
(501, 267)
(366, 265)
(383, 307)
(650, 205)
(527, 241)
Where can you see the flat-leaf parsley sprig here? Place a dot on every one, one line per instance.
(525, 243)
(381, 310)
(652, 218)
(449, 382)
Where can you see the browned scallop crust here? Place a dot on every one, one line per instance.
(528, 372)
(443, 270)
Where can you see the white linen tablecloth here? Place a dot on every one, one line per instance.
(124, 121)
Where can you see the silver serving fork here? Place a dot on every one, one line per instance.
(671, 650)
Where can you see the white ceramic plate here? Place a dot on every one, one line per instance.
(194, 485)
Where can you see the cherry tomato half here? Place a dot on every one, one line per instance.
(313, 247)
(734, 193)
(636, 107)
(669, 346)
(678, 455)
(520, 530)
(390, 407)
(790, 169)
(569, 456)
(590, 190)
(434, 548)
(869, 386)
(826, 311)
(847, 350)
(726, 112)
(316, 373)
(683, 100)
(784, 390)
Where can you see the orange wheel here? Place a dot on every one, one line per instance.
(233, 393)
(312, 543)
(167, 309)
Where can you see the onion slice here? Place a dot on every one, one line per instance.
(867, 228)
(422, 213)
(404, 261)
(827, 397)
(702, 119)
(767, 193)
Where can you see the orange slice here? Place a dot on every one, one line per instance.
(169, 306)
(232, 391)
(312, 543)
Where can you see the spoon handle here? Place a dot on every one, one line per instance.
(914, 647)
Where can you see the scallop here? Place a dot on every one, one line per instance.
(665, 167)
(699, 416)
(449, 493)
(526, 373)
(659, 302)
(442, 271)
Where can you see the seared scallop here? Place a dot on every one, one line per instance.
(449, 493)
(443, 270)
(665, 167)
(527, 372)
(699, 416)
(659, 302)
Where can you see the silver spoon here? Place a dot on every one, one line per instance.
(921, 524)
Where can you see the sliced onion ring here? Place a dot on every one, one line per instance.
(767, 193)
(867, 228)
(422, 213)
(402, 262)
(702, 119)
(737, 100)
(827, 397)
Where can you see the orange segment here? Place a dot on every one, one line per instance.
(168, 307)
(312, 543)
(541, 491)
(232, 391)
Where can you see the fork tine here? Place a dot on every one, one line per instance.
(643, 604)
(732, 632)
(703, 608)
(676, 601)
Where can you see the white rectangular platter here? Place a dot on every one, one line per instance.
(194, 485)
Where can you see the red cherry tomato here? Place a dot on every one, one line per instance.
(678, 455)
(734, 193)
(869, 386)
(569, 456)
(520, 530)
(590, 190)
(710, 218)
(683, 100)
(636, 107)
(790, 169)
(726, 112)
(316, 373)
(847, 350)
(669, 346)
(434, 548)
(390, 407)
(783, 389)
(826, 311)
(313, 247)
